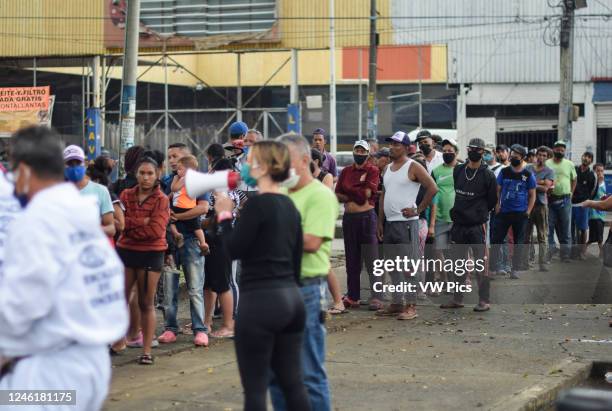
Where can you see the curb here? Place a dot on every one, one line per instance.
(566, 374)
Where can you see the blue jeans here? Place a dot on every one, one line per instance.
(503, 260)
(313, 353)
(560, 216)
(189, 258)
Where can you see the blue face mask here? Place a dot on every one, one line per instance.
(22, 198)
(245, 150)
(74, 173)
(245, 175)
(487, 157)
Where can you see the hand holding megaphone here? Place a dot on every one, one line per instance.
(197, 183)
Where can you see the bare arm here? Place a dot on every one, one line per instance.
(420, 174)
(544, 185)
(574, 181)
(603, 205)
(498, 206)
(532, 198)
(119, 218)
(329, 181)
(108, 224)
(200, 209)
(177, 184)
(312, 243)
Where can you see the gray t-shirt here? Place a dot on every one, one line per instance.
(545, 173)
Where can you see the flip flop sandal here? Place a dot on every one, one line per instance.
(113, 352)
(145, 359)
(222, 335)
(336, 311)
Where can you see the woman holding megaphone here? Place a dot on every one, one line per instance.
(267, 238)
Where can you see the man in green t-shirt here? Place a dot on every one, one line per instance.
(318, 207)
(560, 201)
(440, 222)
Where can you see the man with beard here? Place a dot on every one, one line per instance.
(586, 187)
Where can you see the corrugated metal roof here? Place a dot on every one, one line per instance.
(51, 27)
(502, 41)
(202, 18)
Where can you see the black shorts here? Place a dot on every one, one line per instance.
(148, 260)
(596, 231)
(218, 268)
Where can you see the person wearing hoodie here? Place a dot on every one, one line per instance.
(475, 197)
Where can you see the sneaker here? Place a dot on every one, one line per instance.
(501, 273)
(201, 339)
(514, 275)
(543, 268)
(167, 337)
(481, 307)
(409, 313)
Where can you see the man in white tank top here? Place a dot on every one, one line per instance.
(401, 183)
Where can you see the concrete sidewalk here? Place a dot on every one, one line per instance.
(513, 357)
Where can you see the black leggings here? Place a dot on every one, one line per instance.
(268, 335)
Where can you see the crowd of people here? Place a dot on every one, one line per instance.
(100, 256)
(419, 199)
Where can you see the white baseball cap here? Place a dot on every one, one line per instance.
(73, 152)
(363, 144)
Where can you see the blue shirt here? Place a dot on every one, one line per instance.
(515, 186)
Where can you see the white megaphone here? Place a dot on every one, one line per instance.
(198, 183)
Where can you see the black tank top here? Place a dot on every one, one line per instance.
(322, 175)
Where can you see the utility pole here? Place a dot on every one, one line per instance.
(333, 130)
(129, 79)
(372, 110)
(567, 73)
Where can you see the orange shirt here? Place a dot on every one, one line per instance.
(182, 200)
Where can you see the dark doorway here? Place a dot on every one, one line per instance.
(604, 146)
(529, 139)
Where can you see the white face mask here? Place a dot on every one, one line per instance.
(292, 181)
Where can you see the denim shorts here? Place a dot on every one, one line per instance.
(580, 216)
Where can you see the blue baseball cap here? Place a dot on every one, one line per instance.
(238, 128)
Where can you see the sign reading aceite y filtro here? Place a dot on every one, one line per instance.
(24, 98)
(24, 106)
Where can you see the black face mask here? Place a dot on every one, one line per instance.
(425, 149)
(360, 158)
(448, 157)
(474, 156)
(558, 155)
(515, 162)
